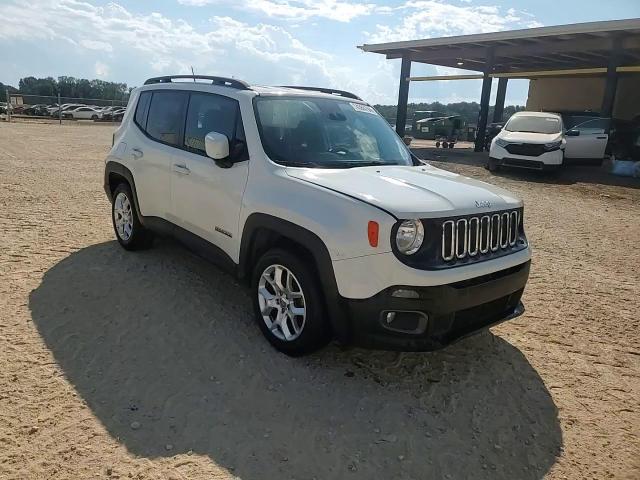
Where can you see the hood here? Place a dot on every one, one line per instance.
(411, 192)
(528, 137)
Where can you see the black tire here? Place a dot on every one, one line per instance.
(94, 117)
(139, 238)
(437, 144)
(493, 166)
(451, 144)
(315, 331)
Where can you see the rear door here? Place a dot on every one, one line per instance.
(152, 146)
(206, 198)
(591, 140)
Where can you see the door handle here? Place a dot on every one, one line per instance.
(181, 169)
(601, 138)
(137, 153)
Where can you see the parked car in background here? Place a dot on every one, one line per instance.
(82, 113)
(36, 110)
(118, 115)
(56, 110)
(542, 140)
(529, 140)
(113, 114)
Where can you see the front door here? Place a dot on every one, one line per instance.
(591, 140)
(206, 198)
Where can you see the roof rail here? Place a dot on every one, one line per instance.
(221, 81)
(340, 93)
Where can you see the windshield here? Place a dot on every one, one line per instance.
(326, 133)
(525, 123)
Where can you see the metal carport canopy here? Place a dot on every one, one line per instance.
(611, 44)
(581, 45)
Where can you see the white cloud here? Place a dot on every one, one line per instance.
(96, 45)
(128, 46)
(101, 69)
(433, 18)
(260, 53)
(338, 10)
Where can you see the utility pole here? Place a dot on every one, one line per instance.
(59, 109)
(8, 106)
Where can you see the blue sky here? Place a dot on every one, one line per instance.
(266, 41)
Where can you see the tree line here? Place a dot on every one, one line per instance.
(69, 87)
(467, 110)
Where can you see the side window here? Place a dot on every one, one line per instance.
(166, 116)
(209, 113)
(596, 126)
(141, 110)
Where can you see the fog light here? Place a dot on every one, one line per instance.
(405, 321)
(405, 293)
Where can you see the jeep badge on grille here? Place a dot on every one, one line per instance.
(483, 204)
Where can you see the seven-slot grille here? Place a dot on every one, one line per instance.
(480, 235)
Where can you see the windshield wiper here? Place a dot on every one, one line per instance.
(301, 164)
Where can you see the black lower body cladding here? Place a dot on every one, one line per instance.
(438, 315)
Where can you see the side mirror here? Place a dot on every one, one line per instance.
(572, 133)
(216, 145)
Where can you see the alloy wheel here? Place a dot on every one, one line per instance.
(123, 216)
(282, 302)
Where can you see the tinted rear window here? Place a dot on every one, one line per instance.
(141, 109)
(166, 116)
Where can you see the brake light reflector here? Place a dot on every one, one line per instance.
(372, 232)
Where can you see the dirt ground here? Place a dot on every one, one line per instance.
(148, 365)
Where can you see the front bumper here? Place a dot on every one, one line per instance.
(551, 159)
(441, 315)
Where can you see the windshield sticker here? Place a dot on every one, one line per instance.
(359, 107)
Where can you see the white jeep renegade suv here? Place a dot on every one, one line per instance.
(310, 196)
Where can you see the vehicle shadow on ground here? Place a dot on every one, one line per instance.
(165, 340)
(571, 173)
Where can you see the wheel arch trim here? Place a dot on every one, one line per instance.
(119, 169)
(310, 241)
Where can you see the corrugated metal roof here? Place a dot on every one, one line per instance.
(579, 45)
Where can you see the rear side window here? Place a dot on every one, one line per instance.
(141, 110)
(166, 116)
(209, 113)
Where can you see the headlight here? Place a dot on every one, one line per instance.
(409, 236)
(552, 145)
(502, 143)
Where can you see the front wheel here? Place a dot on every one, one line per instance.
(288, 303)
(492, 165)
(130, 232)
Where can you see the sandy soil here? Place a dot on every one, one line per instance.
(148, 365)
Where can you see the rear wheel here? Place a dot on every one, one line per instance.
(94, 117)
(288, 303)
(130, 232)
